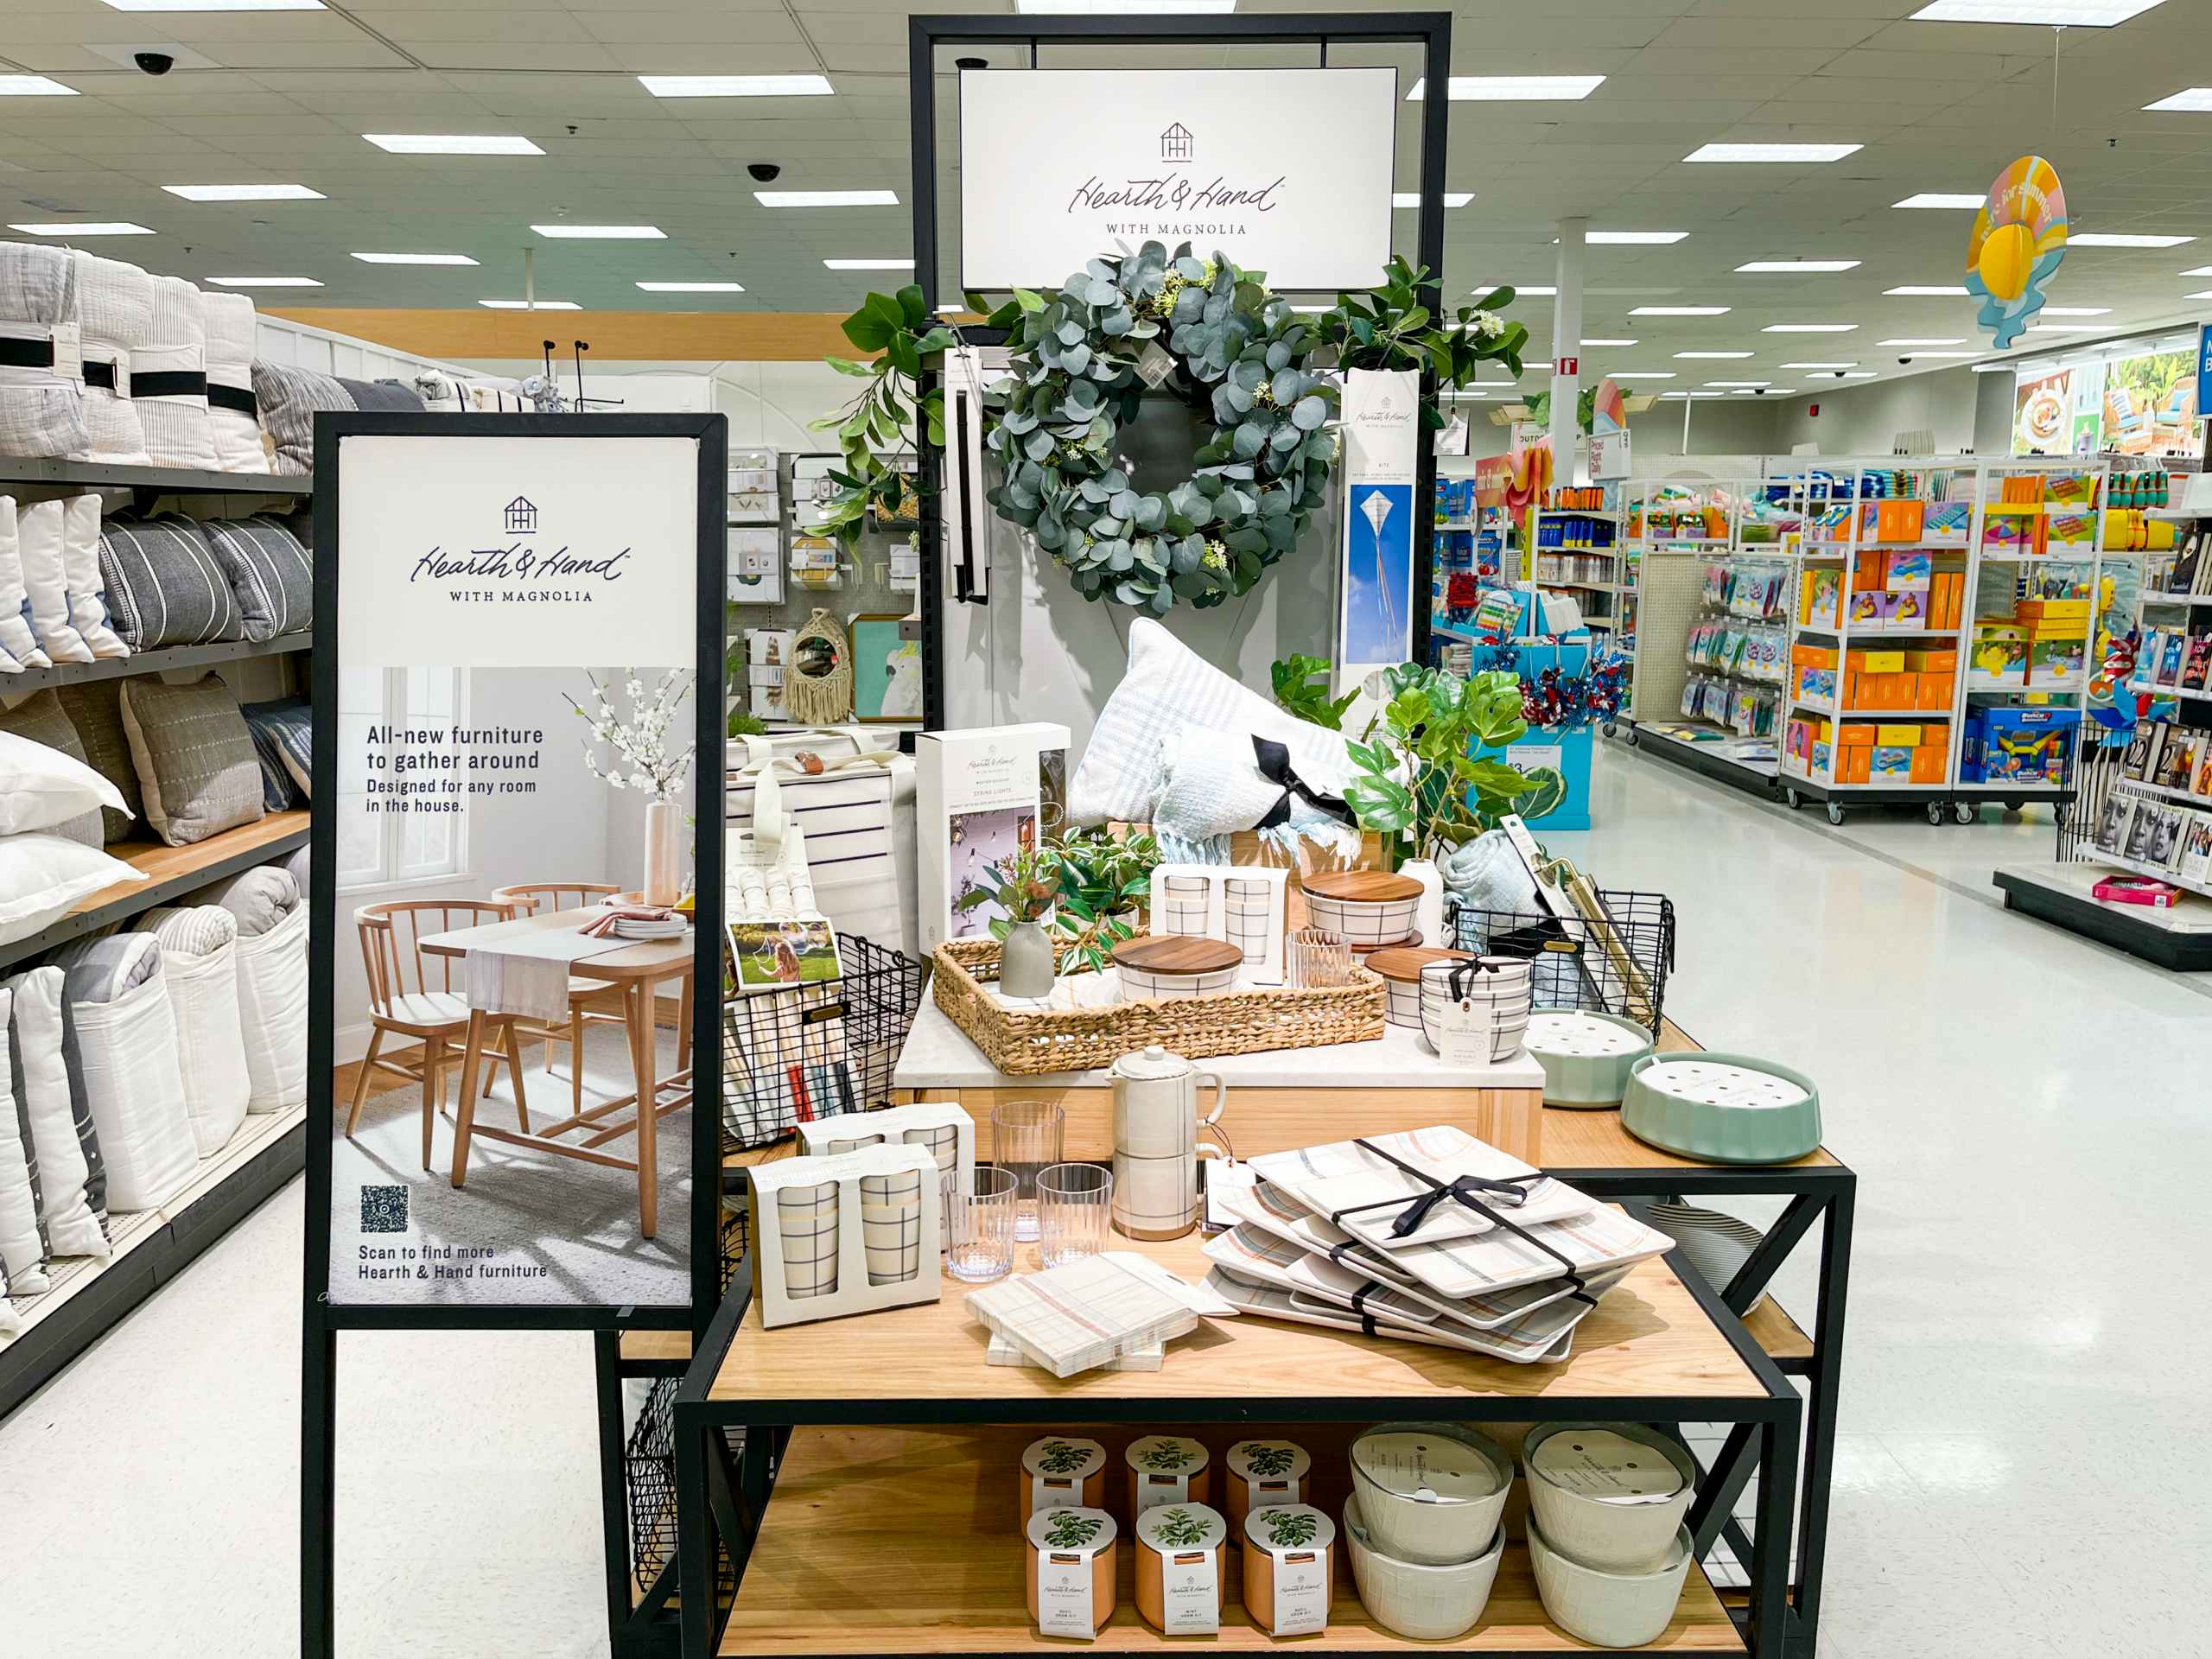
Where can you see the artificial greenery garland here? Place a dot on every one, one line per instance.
(1237, 355)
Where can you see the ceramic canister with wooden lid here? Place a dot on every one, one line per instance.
(1073, 1561)
(1366, 908)
(1181, 1557)
(1061, 1471)
(1166, 1469)
(1289, 1568)
(1260, 1472)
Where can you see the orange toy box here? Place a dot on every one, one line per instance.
(1947, 598)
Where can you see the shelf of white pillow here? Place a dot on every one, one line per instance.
(174, 481)
(157, 661)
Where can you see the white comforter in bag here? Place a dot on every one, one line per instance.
(115, 307)
(200, 959)
(229, 320)
(169, 378)
(42, 395)
(119, 1038)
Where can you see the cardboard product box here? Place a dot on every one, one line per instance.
(1923, 660)
(2000, 653)
(1818, 764)
(1866, 610)
(1949, 590)
(2055, 658)
(1915, 571)
(1855, 764)
(1928, 764)
(980, 795)
(1856, 734)
(1811, 656)
(1937, 690)
(1878, 662)
(1887, 764)
(1903, 737)
(2041, 613)
(1816, 684)
(1970, 747)
(2028, 746)
(1907, 609)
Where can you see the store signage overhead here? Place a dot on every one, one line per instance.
(1059, 166)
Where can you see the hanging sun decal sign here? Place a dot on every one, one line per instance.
(2019, 237)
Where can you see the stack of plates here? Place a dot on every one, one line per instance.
(1457, 1280)
(629, 929)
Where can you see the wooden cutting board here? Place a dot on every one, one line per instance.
(1404, 962)
(1363, 887)
(1175, 954)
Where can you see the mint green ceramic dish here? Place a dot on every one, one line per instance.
(1587, 1056)
(1722, 1109)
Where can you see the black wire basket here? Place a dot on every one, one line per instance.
(1616, 965)
(816, 1050)
(649, 1479)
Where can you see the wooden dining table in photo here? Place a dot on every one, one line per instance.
(632, 974)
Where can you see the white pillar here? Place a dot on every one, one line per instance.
(1569, 467)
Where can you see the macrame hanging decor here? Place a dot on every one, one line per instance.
(818, 681)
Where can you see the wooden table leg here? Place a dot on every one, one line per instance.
(513, 1046)
(683, 1026)
(644, 1060)
(465, 1112)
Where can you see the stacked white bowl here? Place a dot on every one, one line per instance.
(1497, 991)
(1606, 1532)
(1422, 1525)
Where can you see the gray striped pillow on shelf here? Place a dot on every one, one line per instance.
(165, 586)
(282, 738)
(191, 931)
(196, 764)
(271, 574)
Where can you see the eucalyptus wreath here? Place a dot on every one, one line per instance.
(1237, 355)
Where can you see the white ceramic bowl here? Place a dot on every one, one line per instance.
(1612, 1609)
(1429, 1604)
(1363, 922)
(1448, 1518)
(1139, 983)
(1613, 1534)
(1509, 1023)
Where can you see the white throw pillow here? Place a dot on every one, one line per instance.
(1167, 688)
(42, 787)
(42, 876)
(18, 644)
(81, 567)
(72, 1175)
(22, 1241)
(41, 535)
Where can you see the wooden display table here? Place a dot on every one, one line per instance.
(886, 1527)
(1279, 1100)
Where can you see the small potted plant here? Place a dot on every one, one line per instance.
(1024, 885)
(1105, 880)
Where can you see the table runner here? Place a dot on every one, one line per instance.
(529, 975)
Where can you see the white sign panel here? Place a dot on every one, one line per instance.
(1609, 455)
(518, 552)
(1287, 171)
(1382, 432)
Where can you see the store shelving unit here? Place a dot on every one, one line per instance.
(1578, 567)
(88, 1297)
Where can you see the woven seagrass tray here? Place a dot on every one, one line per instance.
(1025, 1041)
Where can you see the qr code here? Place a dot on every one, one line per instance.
(384, 1209)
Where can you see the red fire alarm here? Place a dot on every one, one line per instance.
(1814, 409)
(1568, 366)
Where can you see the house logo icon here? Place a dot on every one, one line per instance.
(1175, 143)
(522, 516)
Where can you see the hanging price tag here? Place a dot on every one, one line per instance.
(1463, 1029)
(1155, 365)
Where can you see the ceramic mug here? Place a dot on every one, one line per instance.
(891, 1226)
(806, 1217)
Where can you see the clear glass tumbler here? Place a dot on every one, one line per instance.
(1026, 1137)
(1317, 959)
(1073, 1204)
(979, 1228)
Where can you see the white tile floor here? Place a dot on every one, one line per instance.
(2021, 1452)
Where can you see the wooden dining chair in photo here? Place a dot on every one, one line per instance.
(589, 1000)
(412, 999)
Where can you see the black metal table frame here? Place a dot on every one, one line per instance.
(1825, 1195)
(722, 1489)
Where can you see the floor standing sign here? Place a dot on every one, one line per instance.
(518, 716)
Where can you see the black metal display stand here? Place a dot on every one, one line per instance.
(322, 1320)
(1431, 31)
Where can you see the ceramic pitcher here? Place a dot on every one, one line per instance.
(1156, 1144)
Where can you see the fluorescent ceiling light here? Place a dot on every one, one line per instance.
(1513, 89)
(1710, 354)
(527, 305)
(1771, 152)
(1590, 340)
(826, 198)
(1540, 291)
(2192, 98)
(2065, 327)
(1135, 8)
(1643, 374)
(88, 228)
(603, 232)
(1942, 199)
(1860, 374)
(1920, 339)
(453, 143)
(1808, 327)
(2201, 293)
(244, 192)
(1678, 311)
(736, 85)
(1769, 391)
(264, 282)
(1412, 198)
(1734, 384)
(2198, 271)
(414, 258)
(1765, 265)
(869, 264)
(2077, 311)
(1853, 364)
(2052, 14)
(216, 5)
(33, 86)
(693, 287)
(1946, 353)
(2125, 239)
(1312, 310)
(1929, 291)
(1633, 239)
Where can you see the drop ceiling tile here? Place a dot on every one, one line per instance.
(724, 58)
(703, 25)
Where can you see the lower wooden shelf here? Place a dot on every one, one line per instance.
(903, 1541)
